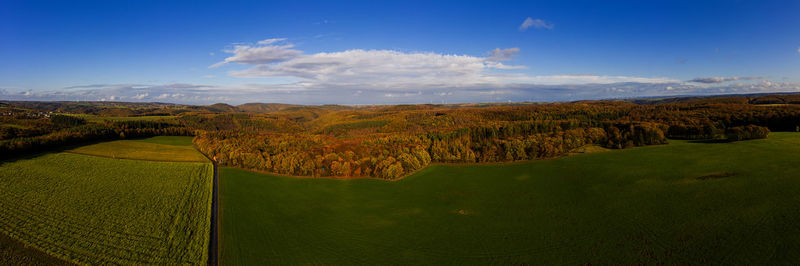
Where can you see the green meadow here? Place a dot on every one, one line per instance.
(175, 149)
(680, 203)
(97, 210)
(168, 140)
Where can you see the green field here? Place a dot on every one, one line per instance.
(97, 210)
(175, 149)
(685, 202)
(169, 140)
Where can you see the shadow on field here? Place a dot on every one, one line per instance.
(8, 158)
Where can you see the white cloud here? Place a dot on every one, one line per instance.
(395, 74)
(271, 41)
(798, 49)
(164, 96)
(502, 54)
(535, 23)
(407, 94)
(140, 96)
(264, 53)
(109, 98)
(382, 69)
(294, 93)
(590, 79)
(492, 92)
(387, 69)
(723, 79)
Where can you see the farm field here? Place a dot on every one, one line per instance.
(684, 202)
(96, 210)
(176, 149)
(168, 140)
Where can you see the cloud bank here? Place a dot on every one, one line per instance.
(723, 79)
(238, 94)
(387, 69)
(502, 54)
(394, 70)
(265, 53)
(360, 76)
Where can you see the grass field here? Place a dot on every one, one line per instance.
(176, 149)
(97, 210)
(681, 203)
(168, 140)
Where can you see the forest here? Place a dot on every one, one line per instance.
(390, 142)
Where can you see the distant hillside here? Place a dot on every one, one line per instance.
(312, 111)
(752, 98)
(215, 108)
(263, 108)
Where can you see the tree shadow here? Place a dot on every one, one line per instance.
(26, 155)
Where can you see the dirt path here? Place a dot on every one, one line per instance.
(213, 247)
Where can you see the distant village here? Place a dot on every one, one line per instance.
(28, 114)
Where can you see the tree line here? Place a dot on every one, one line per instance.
(393, 141)
(87, 133)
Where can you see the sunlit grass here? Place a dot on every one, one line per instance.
(152, 149)
(97, 210)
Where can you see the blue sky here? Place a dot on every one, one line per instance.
(377, 52)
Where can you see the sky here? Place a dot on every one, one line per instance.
(383, 52)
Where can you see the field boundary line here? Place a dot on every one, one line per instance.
(213, 246)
